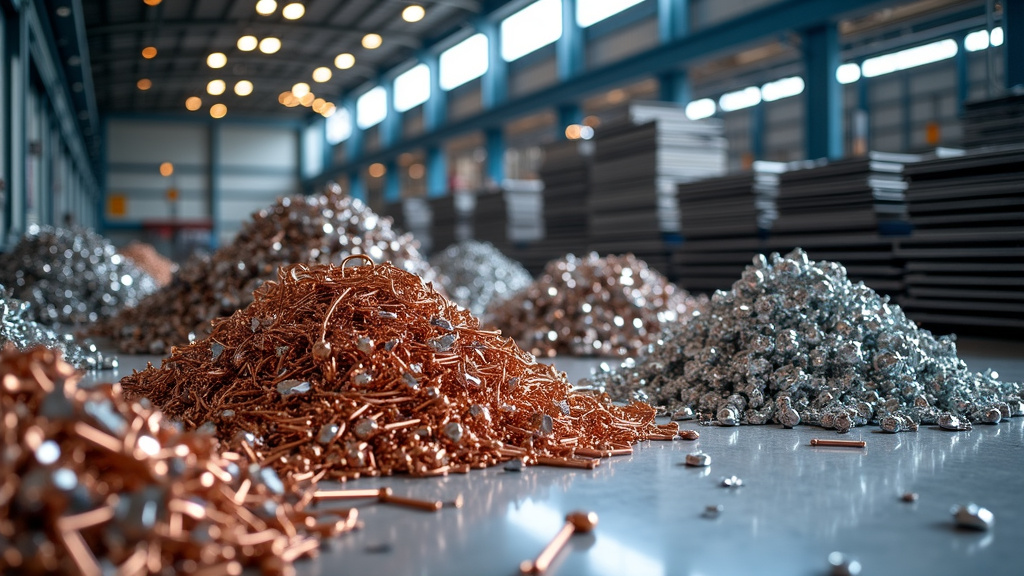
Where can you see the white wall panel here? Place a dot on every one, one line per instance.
(623, 43)
(155, 142)
(267, 147)
(534, 77)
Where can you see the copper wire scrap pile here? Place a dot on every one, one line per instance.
(93, 484)
(71, 276)
(367, 370)
(323, 228)
(150, 261)
(592, 306)
(475, 274)
(795, 341)
(19, 330)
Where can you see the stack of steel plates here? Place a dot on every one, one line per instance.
(416, 218)
(723, 222)
(853, 195)
(490, 220)
(965, 260)
(994, 122)
(639, 159)
(451, 219)
(566, 175)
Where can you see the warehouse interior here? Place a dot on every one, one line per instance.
(726, 212)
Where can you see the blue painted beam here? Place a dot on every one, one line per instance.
(192, 118)
(1013, 42)
(730, 35)
(823, 97)
(673, 19)
(569, 114)
(392, 183)
(495, 139)
(757, 131)
(963, 75)
(674, 87)
(437, 172)
(570, 50)
(357, 184)
(494, 84)
(435, 109)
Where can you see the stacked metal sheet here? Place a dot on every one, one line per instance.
(490, 220)
(416, 219)
(638, 161)
(451, 219)
(965, 261)
(854, 195)
(994, 122)
(723, 222)
(566, 175)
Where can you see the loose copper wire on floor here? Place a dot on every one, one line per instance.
(90, 480)
(367, 370)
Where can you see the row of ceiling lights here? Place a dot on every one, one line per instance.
(271, 45)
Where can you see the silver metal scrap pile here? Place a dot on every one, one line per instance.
(71, 276)
(592, 306)
(475, 274)
(19, 329)
(795, 341)
(322, 228)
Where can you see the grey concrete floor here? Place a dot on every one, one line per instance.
(798, 503)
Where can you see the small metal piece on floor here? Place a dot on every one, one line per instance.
(688, 435)
(909, 497)
(378, 548)
(973, 516)
(515, 465)
(712, 510)
(839, 443)
(732, 482)
(843, 565)
(684, 413)
(698, 459)
(457, 503)
(575, 522)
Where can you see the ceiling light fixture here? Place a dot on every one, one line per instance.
(413, 13)
(322, 74)
(372, 41)
(266, 7)
(270, 45)
(216, 60)
(216, 87)
(149, 52)
(344, 61)
(318, 105)
(144, 84)
(293, 11)
(151, 2)
(247, 43)
(300, 89)
(329, 110)
(243, 87)
(63, 11)
(218, 110)
(377, 170)
(307, 100)
(193, 103)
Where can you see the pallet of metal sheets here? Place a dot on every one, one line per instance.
(857, 194)
(867, 256)
(524, 205)
(450, 219)
(566, 175)
(706, 265)
(995, 121)
(490, 220)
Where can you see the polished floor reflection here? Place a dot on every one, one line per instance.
(797, 504)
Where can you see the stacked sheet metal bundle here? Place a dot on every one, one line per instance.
(639, 159)
(723, 222)
(490, 220)
(450, 219)
(965, 261)
(566, 175)
(847, 211)
(994, 122)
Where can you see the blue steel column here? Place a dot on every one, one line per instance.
(16, 88)
(757, 131)
(494, 91)
(569, 114)
(674, 87)
(495, 155)
(6, 134)
(354, 144)
(570, 51)
(822, 97)
(963, 78)
(1013, 42)
(673, 23)
(391, 126)
(357, 184)
(392, 183)
(215, 191)
(435, 111)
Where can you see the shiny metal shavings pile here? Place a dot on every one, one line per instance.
(18, 328)
(795, 341)
(94, 484)
(476, 273)
(71, 275)
(322, 228)
(592, 306)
